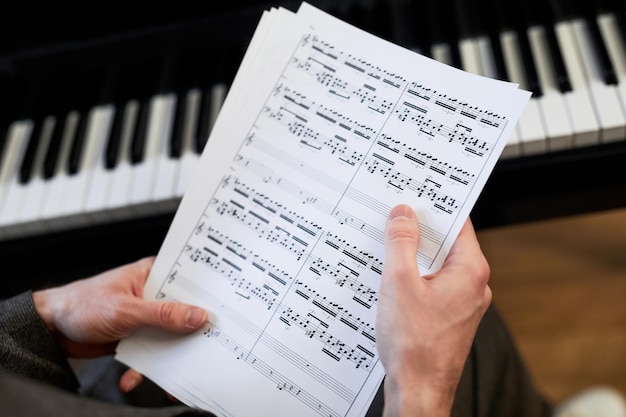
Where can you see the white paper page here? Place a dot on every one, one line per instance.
(280, 233)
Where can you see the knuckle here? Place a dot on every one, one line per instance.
(481, 271)
(402, 229)
(167, 312)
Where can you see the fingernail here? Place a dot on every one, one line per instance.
(196, 317)
(402, 210)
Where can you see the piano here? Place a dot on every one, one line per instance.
(104, 113)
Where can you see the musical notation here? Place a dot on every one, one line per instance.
(280, 235)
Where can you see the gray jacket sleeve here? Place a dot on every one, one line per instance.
(27, 348)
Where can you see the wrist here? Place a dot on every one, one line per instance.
(45, 308)
(414, 398)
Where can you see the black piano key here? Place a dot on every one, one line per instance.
(108, 97)
(532, 78)
(176, 140)
(6, 104)
(588, 11)
(138, 142)
(602, 54)
(54, 148)
(78, 145)
(4, 132)
(26, 166)
(204, 120)
(112, 151)
(558, 63)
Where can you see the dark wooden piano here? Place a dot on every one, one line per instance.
(84, 131)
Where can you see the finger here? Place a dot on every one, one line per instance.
(172, 316)
(466, 247)
(466, 255)
(143, 267)
(467, 235)
(402, 240)
(130, 380)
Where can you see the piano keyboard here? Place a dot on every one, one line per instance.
(118, 137)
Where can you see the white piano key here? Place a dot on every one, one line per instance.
(487, 60)
(118, 201)
(532, 136)
(470, 56)
(101, 178)
(617, 52)
(441, 52)
(164, 190)
(512, 149)
(146, 171)
(13, 191)
(582, 112)
(218, 95)
(56, 190)
(29, 215)
(605, 97)
(534, 141)
(188, 157)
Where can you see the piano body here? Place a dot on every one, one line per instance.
(103, 117)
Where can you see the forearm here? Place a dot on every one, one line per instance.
(27, 348)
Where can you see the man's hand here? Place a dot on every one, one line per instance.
(425, 325)
(90, 316)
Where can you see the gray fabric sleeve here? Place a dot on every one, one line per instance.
(27, 348)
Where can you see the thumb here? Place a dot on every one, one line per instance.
(172, 316)
(402, 240)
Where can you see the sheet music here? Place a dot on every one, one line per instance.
(280, 234)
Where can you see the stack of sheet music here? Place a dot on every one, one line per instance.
(280, 233)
